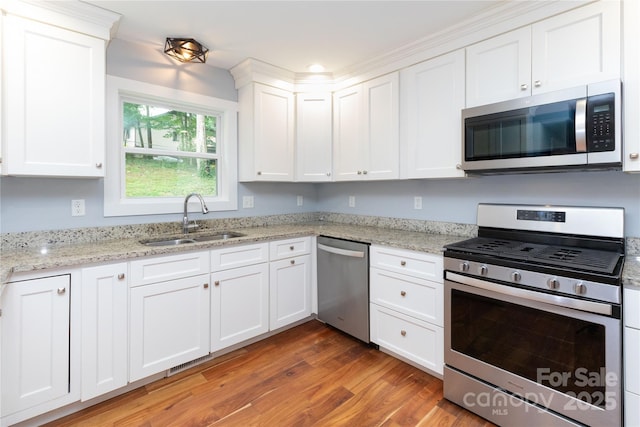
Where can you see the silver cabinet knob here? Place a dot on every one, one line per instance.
(364, 172)
(121, 276)
(217, 283)
(524, 86)
(537, 83)
(403, 333)
(516, 276)
(99, 165)
(403, 293)
(293, 261)
(458, 166)
(634, 156)
(259, 172)
(553, 283)
(206, 286)
(328, 173)
(403, 263)
(61, 291)
(291, 248)
(359, 172)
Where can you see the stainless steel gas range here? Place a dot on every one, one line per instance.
(533, 316)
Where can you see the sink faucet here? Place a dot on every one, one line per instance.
(185, 219)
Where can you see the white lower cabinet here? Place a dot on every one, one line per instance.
(240, 295)
(169, 320)
(631, 361)
(35, 347)
(105, 329)
(406, 309)
(290, 293)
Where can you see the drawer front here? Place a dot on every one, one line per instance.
(631, 360)
(410, 295)
(239, 256)
(281, 249)
(632, 306)
(418, 341)
(160, 269)
(417, 264)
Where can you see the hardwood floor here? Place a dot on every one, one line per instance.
(310, 375)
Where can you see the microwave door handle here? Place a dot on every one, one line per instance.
(581, 125)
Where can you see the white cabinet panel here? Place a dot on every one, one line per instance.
(239, 305)
(632, 361)
(418, 264)
(409, 337)
(54, 83)
(281, 249)
(631, 413)
(239, 256)
(169, 325)
(290, 291)
(348, 139)
(35, 342)
(432, 96)
(105, 329)
(156, 269)
(632, 306)
(499, 68)
(313, 137)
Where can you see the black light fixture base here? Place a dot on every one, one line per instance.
(185, 50)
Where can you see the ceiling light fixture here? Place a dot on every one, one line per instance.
(316, 68)
(185, 50)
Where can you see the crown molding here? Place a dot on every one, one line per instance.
(70, 14)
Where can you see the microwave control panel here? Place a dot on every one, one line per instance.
(600, 123)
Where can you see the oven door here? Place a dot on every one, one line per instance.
(532, 346)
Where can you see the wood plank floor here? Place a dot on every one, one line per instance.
(310, 375)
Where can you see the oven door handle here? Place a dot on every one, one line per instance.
(578, 304)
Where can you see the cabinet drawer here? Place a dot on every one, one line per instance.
(418, 264)
(239, 256)
(160, 269)
(631, 360)
(413, 296)
(289, 248)
(416, 340)
(632, 306)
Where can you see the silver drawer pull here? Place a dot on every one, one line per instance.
(121, 276)
(403, 333)
(292, 248)
(403, 263)
(61, 291)
(217, 283)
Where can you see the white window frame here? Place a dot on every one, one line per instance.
(120, 89)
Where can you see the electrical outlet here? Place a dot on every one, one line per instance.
(247, 202)
(417, 202)
(77, 207)
(300, 200)
(352, 201)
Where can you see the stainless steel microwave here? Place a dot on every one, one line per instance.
(577, 128)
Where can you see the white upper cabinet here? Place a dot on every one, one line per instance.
(432, 95)
(499, 68)
(571, 49)
(313, 137)
(266, 134)
(366, 130)
(54, 97)
(631, 87)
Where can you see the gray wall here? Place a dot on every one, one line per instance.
(29, 204)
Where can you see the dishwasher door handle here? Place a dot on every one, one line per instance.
(338, 251)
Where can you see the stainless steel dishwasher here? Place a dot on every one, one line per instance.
(343, 285)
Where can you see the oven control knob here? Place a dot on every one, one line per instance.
(464, 266)
(580, 288)
(553, 283)
(483, 269)
(516, 276)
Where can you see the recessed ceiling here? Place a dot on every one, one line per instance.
(290, 34)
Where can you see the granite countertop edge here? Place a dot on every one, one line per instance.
(17, 261)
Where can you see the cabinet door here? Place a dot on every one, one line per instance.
(313, 137)
(274, 134)
(578, 47)
(499, 69)
(239, 305)
(54, 88)
(104, 329)
(35, 342)
(290, 291)
(169, 325)
(348, 146)
(381, 127)
(432, 97)
(631, 87)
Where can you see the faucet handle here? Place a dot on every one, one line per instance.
(193, 225)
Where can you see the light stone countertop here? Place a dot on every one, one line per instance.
(32, 259)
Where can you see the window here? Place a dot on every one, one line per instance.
(163, 144)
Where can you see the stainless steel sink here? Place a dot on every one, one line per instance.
(173, 241)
